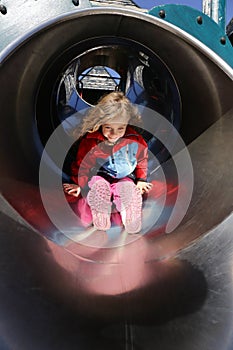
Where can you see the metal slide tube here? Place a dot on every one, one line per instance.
(161, 286)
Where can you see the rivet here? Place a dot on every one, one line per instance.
(199, 20)
(3, 9)
(223, 40)
(162, 14)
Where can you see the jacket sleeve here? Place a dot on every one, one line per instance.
(142, 161)
(81, 167)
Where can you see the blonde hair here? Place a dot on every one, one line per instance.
(111, 106)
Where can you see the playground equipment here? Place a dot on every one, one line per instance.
(163, 289)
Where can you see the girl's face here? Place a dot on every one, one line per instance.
(114, 131)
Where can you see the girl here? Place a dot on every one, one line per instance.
(111, 163)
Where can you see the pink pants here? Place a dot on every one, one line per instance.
(82, 209)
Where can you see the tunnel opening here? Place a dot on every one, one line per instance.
(118, 64)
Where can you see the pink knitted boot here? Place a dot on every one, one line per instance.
(128, 202)
(99, 200)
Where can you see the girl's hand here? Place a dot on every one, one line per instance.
(72, 189)
(144, 187)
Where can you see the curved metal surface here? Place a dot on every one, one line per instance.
(155, 291)
(141, 295)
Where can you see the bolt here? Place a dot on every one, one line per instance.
(162, 14)
(3, 9)
(199, 20)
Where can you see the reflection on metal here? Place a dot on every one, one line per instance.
(125, 3)
(116, 2)
(69, 82)
(216, 9)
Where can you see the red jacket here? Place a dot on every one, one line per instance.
(129, 155)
